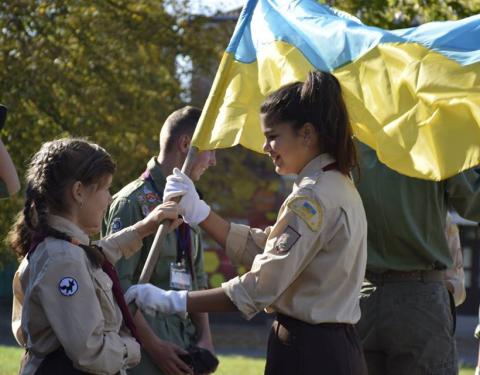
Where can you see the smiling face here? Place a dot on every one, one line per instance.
(203, 160)
(95, 200)
(289, 149)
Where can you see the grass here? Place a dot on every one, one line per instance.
(10, 360)
(229, 364)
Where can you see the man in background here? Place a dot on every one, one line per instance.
(180, 265)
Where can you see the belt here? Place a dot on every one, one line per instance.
(401, 276)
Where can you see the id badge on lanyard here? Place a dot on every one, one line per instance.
(180, 278)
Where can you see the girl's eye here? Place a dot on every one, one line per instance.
(271, 137)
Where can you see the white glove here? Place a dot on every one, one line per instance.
(192, 208)
(151, 299)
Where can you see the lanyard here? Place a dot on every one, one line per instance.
(183, 232)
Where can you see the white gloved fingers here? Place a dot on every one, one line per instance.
(131, 294)
(177, 181)
(169, 195)
(178, 173)
(175, 187)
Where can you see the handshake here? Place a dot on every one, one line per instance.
(192, 208)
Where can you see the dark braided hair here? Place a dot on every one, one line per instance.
(52, 170)
(318, 101)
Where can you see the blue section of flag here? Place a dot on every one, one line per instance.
(311, 26)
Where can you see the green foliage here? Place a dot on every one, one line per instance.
(396, 14)
(101, 69)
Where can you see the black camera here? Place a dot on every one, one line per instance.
(201, 360)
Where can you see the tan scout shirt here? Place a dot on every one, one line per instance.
(61, 299)
(309, 265)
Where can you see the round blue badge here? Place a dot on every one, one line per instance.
(68, 286)
(116, 225)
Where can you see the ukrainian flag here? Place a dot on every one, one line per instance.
(412, 94)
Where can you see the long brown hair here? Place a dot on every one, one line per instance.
(51, 171)
(318, 101)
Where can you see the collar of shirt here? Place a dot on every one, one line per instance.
(66, 226)
(156, 174)
(314, 167)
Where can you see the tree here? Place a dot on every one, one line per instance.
(102, 69)
(396, 14)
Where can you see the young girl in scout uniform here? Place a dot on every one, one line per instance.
(309, 266)
(68, 310)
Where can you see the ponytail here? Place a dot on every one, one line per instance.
(318, 101)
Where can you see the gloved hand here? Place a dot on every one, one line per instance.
(151, 299)
(192, 208)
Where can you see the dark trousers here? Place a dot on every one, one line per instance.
(296, 347)
(408, 328)
(56, 362)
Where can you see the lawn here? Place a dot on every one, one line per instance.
(229, 365)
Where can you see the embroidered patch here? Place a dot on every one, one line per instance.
(308, 210)
(286, 240)
(117, 225)
(151, 197)
(68, 286)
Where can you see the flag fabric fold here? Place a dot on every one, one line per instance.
(412, 94)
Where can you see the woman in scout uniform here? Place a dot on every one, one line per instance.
(68, 308)
(309, 266)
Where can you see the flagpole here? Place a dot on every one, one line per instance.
(162, 230)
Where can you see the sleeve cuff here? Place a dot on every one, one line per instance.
(240, 297)
(237, 241)
(123, 243)
(132, 357)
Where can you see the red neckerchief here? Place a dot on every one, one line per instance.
(330, 167)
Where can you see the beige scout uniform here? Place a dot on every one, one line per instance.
(84, 319)
(310, 265)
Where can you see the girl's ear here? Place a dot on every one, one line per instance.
(77, 193)
(308, 133)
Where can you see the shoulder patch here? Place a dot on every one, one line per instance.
(309, 211)
(68, 286)
(116, 225)
(286, 240)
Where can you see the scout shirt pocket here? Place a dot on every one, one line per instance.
(103, 290)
